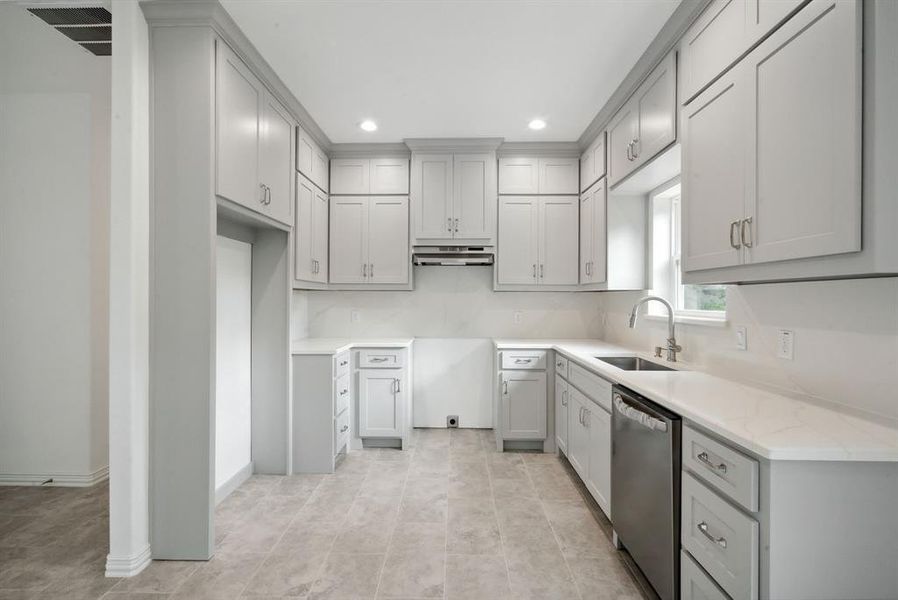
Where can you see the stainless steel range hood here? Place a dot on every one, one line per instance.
(454, 256)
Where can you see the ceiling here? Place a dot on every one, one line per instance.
(457, 68)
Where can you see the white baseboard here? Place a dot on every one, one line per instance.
(56, 479)
(128, 566)
(225, 489)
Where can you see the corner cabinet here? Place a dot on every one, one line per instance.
(254, 141)
(369, 240)
(646, 124)
(538, 240)
(453, 197)
(772, 149)
(310, 243)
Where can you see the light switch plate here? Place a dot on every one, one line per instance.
(355, 316)
(785, 341)
(518, 317)
(741, 337)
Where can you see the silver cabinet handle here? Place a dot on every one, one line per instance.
(587, 268)
(629, 148)
(541, 276)
(267, 195)
(449, 224)
(344, 392)
(635, 151)
(735, 244)
(456, 225)
(534, 271)
(522, 361)
(378, 359)
(343, 363)
(398, 386)
(703, 457)
(564, 398)
(720, 541)
(344, 429)
(586, 414)
(364, 270)
(262, 199)
(505, 387)
(371, 270)
(749, 242)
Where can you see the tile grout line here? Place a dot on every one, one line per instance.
(383, 565)
(498, 525)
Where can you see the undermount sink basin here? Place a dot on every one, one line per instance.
(632, 363)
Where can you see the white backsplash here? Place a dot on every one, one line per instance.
(456, 302)
(845, 339)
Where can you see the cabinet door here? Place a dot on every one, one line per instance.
(621, 136)
(388, 258)
(714, 173)
(598, 157)
(518, 250)
(587, 170)
(524, 405)
(559, 218)
(389, 176)
(561, 413)
(474, 196)
(350, 176)
(714, 42)
(587, 207)
(320, 234)
(320, 172)
(276, 160)
(239, 96)
(380, 403)
(431, 196)
(304, 230)
(577, 434)
(349, 239)
(599, 480)
(558, 175)
(806, 81)
(656, 102)
(598, 267)
(305, 150)
(518, 175)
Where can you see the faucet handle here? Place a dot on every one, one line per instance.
(658, 351)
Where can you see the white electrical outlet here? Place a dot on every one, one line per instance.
(518, 316)
(355, 316)
(785, 341)
(741, 337)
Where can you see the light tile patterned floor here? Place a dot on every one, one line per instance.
(450, 518)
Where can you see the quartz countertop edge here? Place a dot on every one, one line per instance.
(325, 346)
(767, 424)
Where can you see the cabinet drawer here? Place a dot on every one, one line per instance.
(341, 364)
(722, 539)
(342, 393)
(341, 431)
(728, 471)
(561, 365)
(591, 384)
(695, 584)
(523, 359)
(381, 359)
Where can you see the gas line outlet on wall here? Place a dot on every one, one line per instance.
(741, 337)
(785, 341)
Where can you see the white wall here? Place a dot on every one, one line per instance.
(233, 364)
(54, 257)
(454, 313)
(846, 339)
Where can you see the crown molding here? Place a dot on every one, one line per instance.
(210, 13)
(666, 41)
(453, 144)
(556, 149)
(374, 150)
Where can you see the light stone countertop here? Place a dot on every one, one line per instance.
(770, 425)
(325, 346)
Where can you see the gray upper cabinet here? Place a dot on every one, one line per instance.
(254, 143)
(310, 232)
(592, 163)
(374, 176)
(646, 124)
(311, 160)
(538, 175)
(772, 149)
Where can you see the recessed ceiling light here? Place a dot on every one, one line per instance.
(368, 125)
(537, 124)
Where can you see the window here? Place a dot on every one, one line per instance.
(696, 301)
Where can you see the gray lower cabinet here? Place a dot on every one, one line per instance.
(384, 401)
(561, 413)
(322, 400)
(695, 584)
(524, 405)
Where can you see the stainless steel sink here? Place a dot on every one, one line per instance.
(632, 363)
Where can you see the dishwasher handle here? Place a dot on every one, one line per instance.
(634, 414)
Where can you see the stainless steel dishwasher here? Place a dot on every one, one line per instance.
(645, 487)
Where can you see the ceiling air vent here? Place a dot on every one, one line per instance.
(90, 26)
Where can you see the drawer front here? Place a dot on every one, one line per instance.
(695, 584)
(342, 394)
(591, 384)
(381, 359)
(341, 431)
(722, 539)
(732, 473)
(561, 365)
(342, 364)
(523, 359)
